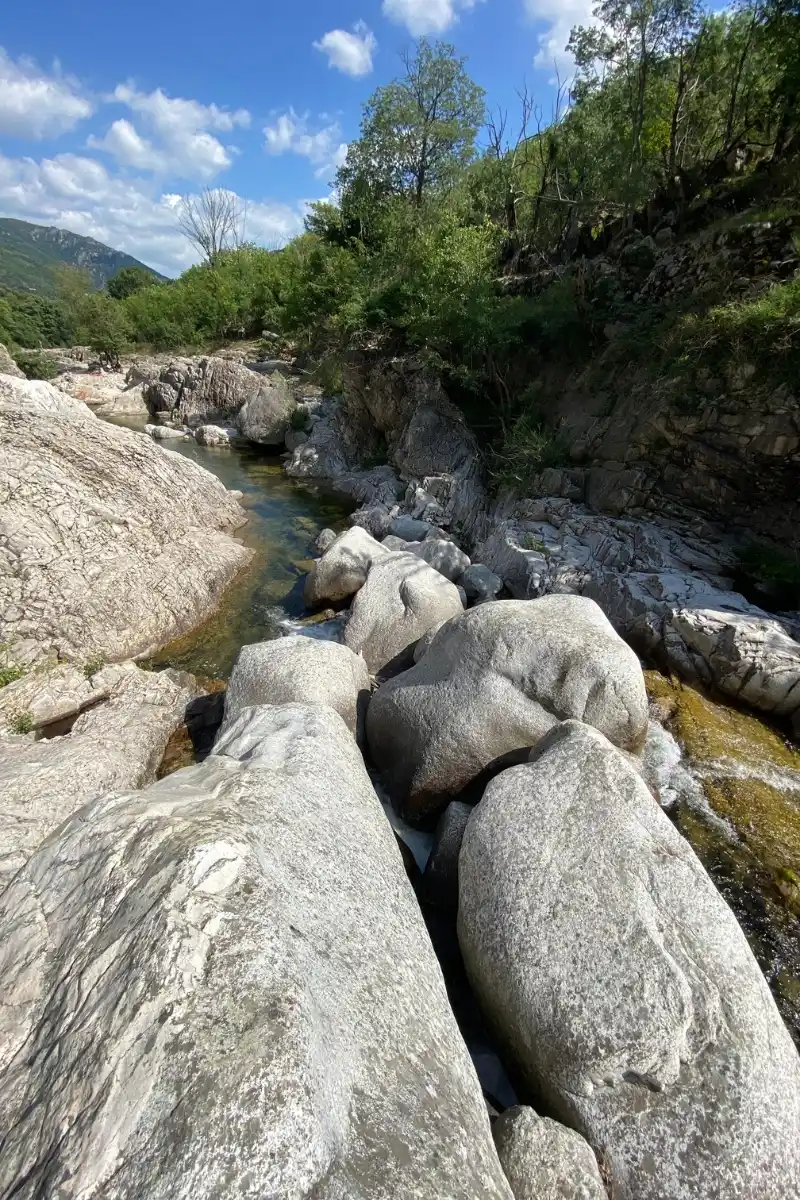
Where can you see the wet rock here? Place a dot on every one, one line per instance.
(126, 719)
(213, 435)
(401, 600)
(300, 669)
(112, 546)
(543, 1160)
(268, 1017)
(343, 567)
(162, 433)
(620, 982)
(295, 438)
(491, 684)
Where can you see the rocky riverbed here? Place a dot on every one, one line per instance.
(238, 962)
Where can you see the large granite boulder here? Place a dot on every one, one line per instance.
(266, 414)
(401, 600)
(543, 1160)
(125, 717)
(663, 587)
(620, 982)
(343, 568)
(491, 684)
(300, 669)
(222, 987)
(443, 555)
(111, 545)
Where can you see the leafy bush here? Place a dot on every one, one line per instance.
(36, 366)
(9, 673)
(21, 723)
(528, 449)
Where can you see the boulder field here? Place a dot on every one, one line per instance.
(223, 983)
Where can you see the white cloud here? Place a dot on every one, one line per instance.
(78, 193)
(421, 17)
(182, 145)
(349, 52)
(291, 133)
(36, 105)
(559, 17)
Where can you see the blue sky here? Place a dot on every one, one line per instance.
(110, 112)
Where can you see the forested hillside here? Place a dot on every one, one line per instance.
(29, 253)
(651, 217)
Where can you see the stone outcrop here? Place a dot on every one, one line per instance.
(108, 393)
(223, 987)
(491, 684)
(343, 567)
(300, 669)
(663, 587)
(198, 391)
(111, 546)
(543, 1160)
(620, 982)
(400, 601)
(124, 719)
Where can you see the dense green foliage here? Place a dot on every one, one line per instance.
(438, 207)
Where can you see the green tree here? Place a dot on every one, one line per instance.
(418, 130)
(104, 327)
(73, 284)
(128, 281)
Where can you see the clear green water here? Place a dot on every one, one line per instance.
(284, 520)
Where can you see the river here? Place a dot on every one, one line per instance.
(730, 782)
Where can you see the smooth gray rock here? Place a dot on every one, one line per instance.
(395, 543)
(409, 529)
(265, 415)
(303, 670)
(620, 982)
(480, 583)
(491, 684)
(444, 556)
(163, 433)
(343, 567)
(111, 545)
(222, 987)
(401, 600)
(126, 718)
(440, 877)
(543, 1160)
(376, 519)
(214, 435)
(295, 438)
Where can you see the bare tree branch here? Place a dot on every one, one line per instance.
(214, 221)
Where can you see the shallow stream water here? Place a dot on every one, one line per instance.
(284, 520)
(727, 779)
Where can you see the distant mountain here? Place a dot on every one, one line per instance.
(29, 252)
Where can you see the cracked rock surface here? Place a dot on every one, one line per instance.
(117, 742)
(621, 983)
(109, 544)
(223, 986)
